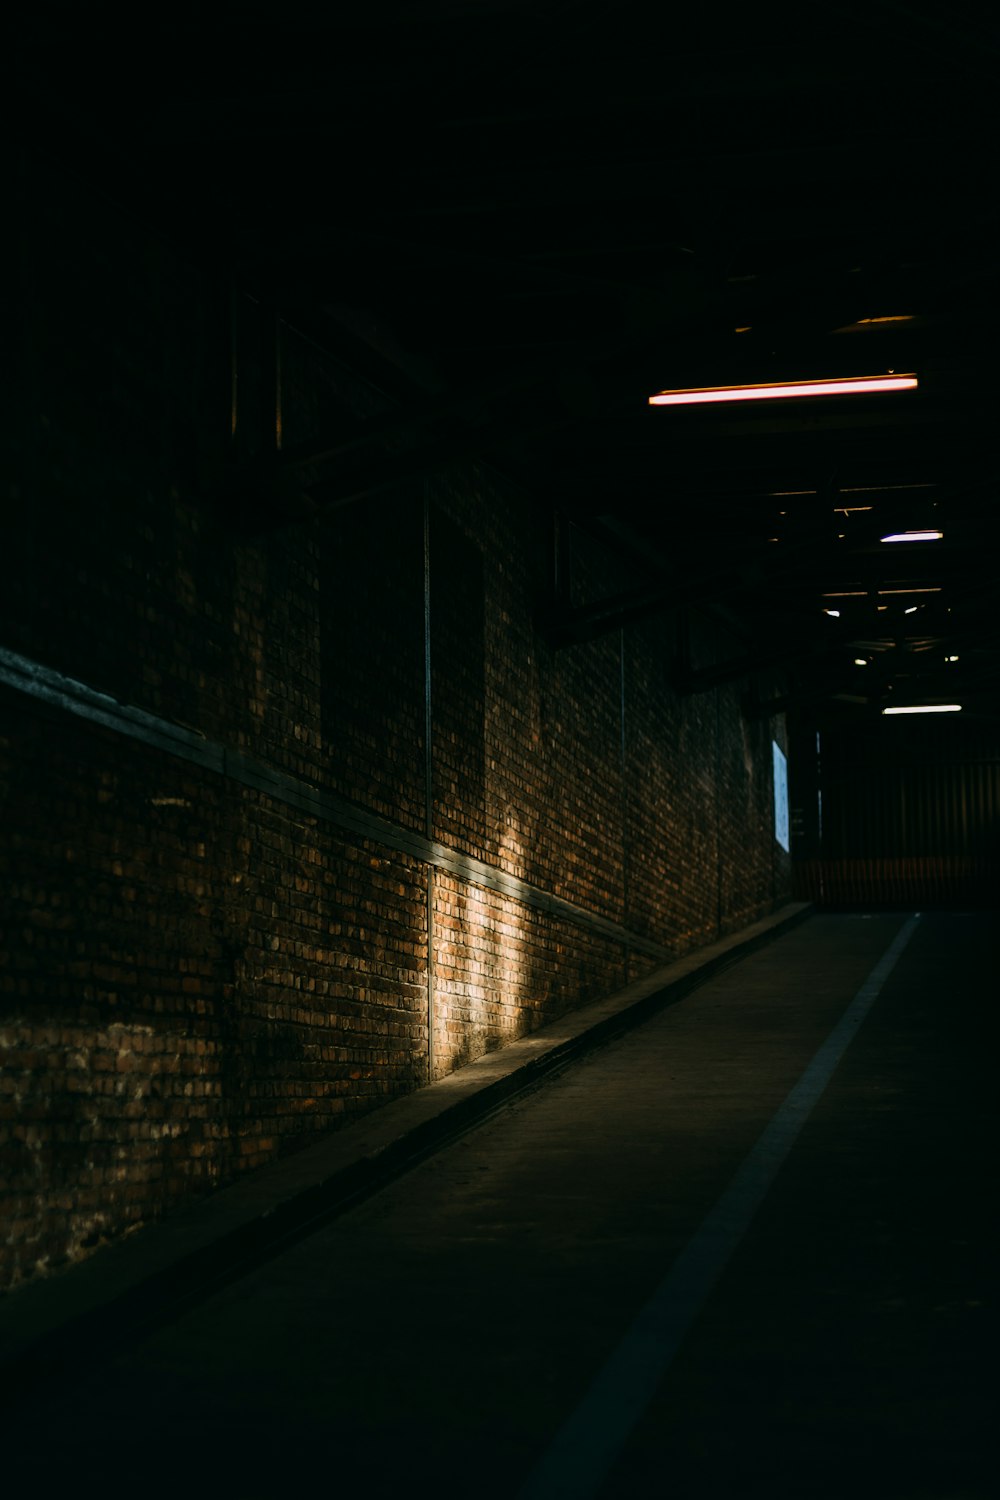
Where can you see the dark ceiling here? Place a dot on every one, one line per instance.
(521, 219)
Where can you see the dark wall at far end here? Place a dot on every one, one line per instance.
(900, 811)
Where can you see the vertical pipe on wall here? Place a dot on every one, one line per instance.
(428, 784)
(278, 408)
(30, 307)
(624, 798)
(718, 813)
(233, 310)
(775, 846)
(270, 347)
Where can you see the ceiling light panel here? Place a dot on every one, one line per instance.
(924, 708)
(781, 390)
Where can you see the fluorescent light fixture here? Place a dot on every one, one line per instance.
(914, 536)
(896, 318)
(951, 658)
(911, 609)
(926, 708)
(835, 613)
(863, 593)
(861, 661)
(777, 390)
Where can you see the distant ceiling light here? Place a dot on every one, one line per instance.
(849, 510)
(916, 589)
(951, 658)
(745, 329)
(773, 390)
(846, 594)
(914, 536)
(834, 613)
(896, 318)
(860, 661)
(911, 610)
(778, 494)
(926, 708)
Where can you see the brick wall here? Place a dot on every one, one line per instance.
(198, 972)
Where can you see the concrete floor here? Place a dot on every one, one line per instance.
(438, 1335)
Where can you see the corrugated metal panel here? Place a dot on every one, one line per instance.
(911, 815)
(931, 881)
(911, 788)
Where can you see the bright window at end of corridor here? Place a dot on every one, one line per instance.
(780, 795)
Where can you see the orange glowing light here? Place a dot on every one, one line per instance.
(866, 489)
(926, 708)
(775, 390)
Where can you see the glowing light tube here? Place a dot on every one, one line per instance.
(914, 536)
(779, 390)
(926, 708)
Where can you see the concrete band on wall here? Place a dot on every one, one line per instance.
(85, 702)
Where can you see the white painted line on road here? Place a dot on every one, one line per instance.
(583, 1451)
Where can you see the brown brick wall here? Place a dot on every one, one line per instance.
(501, 970)
(192, 974)
(196, 976)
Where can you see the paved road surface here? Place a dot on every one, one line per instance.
(437, 1337)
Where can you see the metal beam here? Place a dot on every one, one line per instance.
(559, 393)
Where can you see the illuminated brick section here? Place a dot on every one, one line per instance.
(502, 970)
(192, 976)
(196, 977)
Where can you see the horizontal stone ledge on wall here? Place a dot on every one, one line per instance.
(60, 692)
